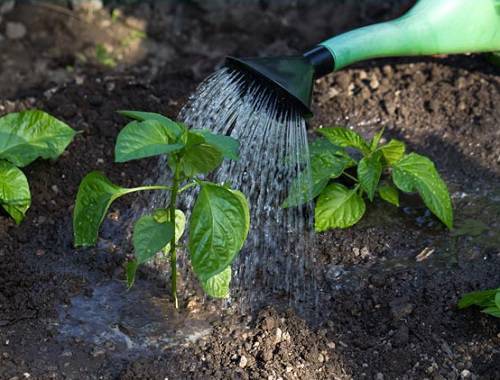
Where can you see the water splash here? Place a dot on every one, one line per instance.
(276, 262)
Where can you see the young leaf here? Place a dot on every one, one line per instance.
(345, 138)
(130, 271)
(149, 237)
(338, 207)
(145, 139)
(176, 129)
(218, 286)
(376, 140)
(483, 298)
(369, 172)
(228, 146)
(15, 195)
(162, 215)
(389, 194)
(415, 172)
(95, 195)
(218, 228)
(27, 135)
(494, 311)
(327, 162)
(393, 151)
(198, 157)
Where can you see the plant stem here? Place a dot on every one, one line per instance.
(173, 255)
(188, 186)
(350, 177)
(146, 188)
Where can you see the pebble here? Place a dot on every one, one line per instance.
(243, 361)
(466, 374)
(7, 6)
(15, 30)
(379, 376)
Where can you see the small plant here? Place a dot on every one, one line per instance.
(24, 137)
(220, 218)
(341, 204)
(488, 300)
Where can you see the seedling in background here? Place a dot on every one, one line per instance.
(220, 218)
(339, 205)
(24, 137)
(487, 300)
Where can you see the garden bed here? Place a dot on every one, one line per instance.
(388, 286)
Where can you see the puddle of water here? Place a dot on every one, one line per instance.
(129, 322)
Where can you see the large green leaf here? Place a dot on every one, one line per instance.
(369, 172)
(417, 173)
(327, 162)
(218, 286)
(393, 151)
(198, 157)
(95, 195)
(338, 207)
(389, 194)
(228, 146)
(28, 135)
(345, 138)
(140, 139)
(15, 195)
(175, 128)
(148, 238)
(218, 228)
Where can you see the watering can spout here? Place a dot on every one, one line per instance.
(292, 77)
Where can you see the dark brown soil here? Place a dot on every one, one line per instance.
(381, 313)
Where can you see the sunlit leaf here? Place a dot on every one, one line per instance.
(15, 197)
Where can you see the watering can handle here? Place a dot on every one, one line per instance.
(430, 27)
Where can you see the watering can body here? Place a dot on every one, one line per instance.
(431, 27)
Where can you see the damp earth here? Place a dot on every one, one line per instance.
(386, 289)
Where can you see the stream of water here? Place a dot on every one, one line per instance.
(276, 262)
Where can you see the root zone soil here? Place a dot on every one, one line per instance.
(383, 315)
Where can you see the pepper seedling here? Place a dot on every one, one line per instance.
(340, 206)
(220, 217)
(24, 137)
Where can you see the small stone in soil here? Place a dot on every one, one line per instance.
(15, 30)
(243, 361)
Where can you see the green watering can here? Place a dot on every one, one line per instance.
(430, 27)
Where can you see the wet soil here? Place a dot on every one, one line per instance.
(383, 313)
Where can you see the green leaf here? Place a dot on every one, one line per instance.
(481, 298)
(15, 195)
(218, 286)
(228, 146)
(497, 299)
(369, 172)
(175, 128)
(130, 271)
(492, 310)
(95, 195)
(338, 207)
(389, 194)
(27, 135)
(163, 215)
(145, 139)
(327, 162)
(149, 237)
(393, 151)
(198, 157)
(415, 172)
(345, 138)
(218, 228)
(376, 140)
